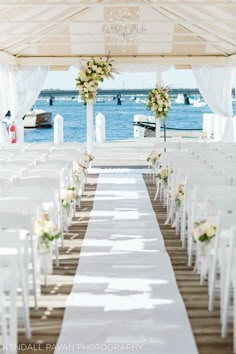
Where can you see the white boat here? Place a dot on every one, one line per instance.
(199, 103)
(38, 118)
(179, 98)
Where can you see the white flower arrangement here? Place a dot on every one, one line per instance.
(178, 195)
(158, 101)
(83, 167)
(68, 196)
(203, 231)
(153, 157)
(162, 175)
(95, 71)
(88, 157)
(78, 172)
(46, 231)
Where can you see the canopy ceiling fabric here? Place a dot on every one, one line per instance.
(39, 29)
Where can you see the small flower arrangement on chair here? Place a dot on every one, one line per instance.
(178, 195)
(203, 231)
(88, 158)
(68, 196)
(153, 157)
(46, 231)
(162, 174)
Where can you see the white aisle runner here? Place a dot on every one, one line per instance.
(124, 298)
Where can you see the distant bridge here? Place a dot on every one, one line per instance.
(123, 92)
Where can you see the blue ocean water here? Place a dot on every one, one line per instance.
(119, 119)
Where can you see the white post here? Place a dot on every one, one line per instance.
(100, 128)
(159, 76)
(89, 126)
(58, 129)
(158, 135)
(19, 130)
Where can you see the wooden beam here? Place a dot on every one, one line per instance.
(10, 59)
(155, 59)
(117, 3)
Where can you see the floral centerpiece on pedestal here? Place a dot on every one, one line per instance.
(159, 103)
(46, 231)
(153, 157)
(93, 72)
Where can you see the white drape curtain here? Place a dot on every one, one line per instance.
(215, 84)
(18, 91)
(4, 98)
(29, 81)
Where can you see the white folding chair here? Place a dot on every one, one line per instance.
(225, 221)
(47, 198)
(8, 312)
(14, 243)
(198, 206)
(18, 213)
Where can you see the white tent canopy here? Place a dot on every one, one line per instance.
(60, 32)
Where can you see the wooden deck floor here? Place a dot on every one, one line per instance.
(205, 325)
(46, 322)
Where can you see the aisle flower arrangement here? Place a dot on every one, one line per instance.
(162, 175)
(46, 231)
(88, 157)
(178, 195)
(78, 172)
(203, 231)
(158, 101)
(68, 196)
(91, 74)
(153, 157)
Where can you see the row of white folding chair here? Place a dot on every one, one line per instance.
(192, 177)
(44, 190)
(177, 176)
(47, 187)
(179, 167)
(222, 202)
(222, 261)
(18, 213)
(229, 254)
(8, 311)
(198, 206)
(168, 160)
(66, 165)
(225, 220)
(15, 243)
(47, 197)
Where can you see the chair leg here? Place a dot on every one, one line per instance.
(212, 281)
(157, 192)
(226, 286)
(13, 316)
(33, 257)
(234, 324)
(25, 300)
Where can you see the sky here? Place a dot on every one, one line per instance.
(173, 78)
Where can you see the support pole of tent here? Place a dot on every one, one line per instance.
(158, 79)
(89, 111)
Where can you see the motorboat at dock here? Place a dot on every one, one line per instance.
(38, 118)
